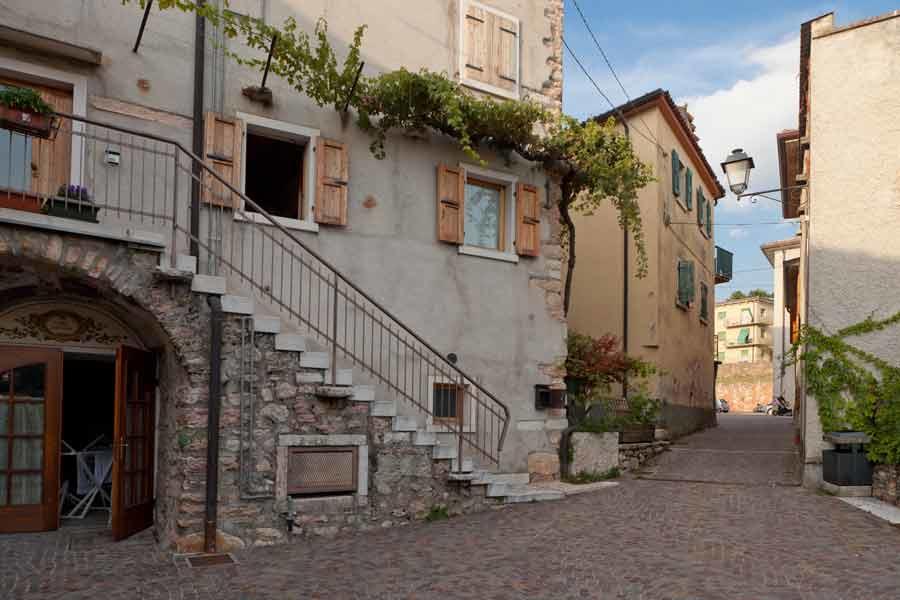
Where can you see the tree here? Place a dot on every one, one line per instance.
(737, 295)
(758, 292)
(592, 162)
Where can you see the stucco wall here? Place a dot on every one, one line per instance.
(854, 199)
(502, 320)
(744, 385)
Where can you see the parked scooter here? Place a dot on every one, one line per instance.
(778, 407)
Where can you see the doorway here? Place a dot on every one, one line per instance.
(76, 438)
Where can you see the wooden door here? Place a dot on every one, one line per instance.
(30, 392)
(132, 491)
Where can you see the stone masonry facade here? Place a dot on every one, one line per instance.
(886, 483)
(404, 482)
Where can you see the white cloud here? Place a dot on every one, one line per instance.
(750, 113)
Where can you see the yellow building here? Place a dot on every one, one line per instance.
(667, 318)
(743, 330)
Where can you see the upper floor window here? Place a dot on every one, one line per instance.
(704, 302)
(686, 287)
(489, 49)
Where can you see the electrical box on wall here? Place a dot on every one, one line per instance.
(546, 397)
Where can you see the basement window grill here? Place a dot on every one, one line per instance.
(322, 470)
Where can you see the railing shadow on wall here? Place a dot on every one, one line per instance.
(126, 177)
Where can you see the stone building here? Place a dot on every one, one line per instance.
(843, 163)
(744, 330)
(352, 342)
(664, 317)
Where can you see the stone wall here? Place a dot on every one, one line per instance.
(632, 456)
(744, 385)
(886, 483)
(593, 452)
(680, 420)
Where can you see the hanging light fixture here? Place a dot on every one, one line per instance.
(737, 169)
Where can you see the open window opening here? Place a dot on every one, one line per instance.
(274, 174)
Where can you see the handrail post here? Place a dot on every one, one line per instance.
(174, 249)
(461, 409)
(334, 320)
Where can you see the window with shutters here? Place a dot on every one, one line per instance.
(488, 213)
(280, 171)
(489, 48)
(704, 302)
(677, 166)
(701, 209)
(688, 188)
(685, 284)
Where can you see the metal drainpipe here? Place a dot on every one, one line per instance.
(198, 134)
(212, 423)
(625, 285)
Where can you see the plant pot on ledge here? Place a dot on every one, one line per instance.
(637, 434)
(71, 202)
(27, 122)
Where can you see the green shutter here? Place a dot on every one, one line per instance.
(709, 219)
(683, 283)
(688, 188)
(743, 336)
(704, 301)
(692, 291)
(701, 207)
(676, 173)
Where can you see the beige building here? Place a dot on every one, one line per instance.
(784, 256)
(665, 317)
(846, 153)
(744, 330)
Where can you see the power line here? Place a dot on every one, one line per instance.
(605, 97)
(609, 64)
(732, 224)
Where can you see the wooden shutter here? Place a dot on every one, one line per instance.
(686, 293)
(505, 54)
(222, 152)
(332, 177)
(704, 301)
(709, 219)
(451, 201)
(528, 217)
(688, 188)
(676, 173)
(692, 287)
(476, 43)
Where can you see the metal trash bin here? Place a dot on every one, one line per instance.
(847, 464)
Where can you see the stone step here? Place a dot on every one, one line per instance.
(186, 263)
(237, 305)
(525, 494)
(266, 324)
(383, 408)
(467, 467)
(424, 438)
(314, 360)
(444, 452)
(504, 478)
(364, 393)
(292, 342)
(208, 284)
(405, 424)
(342, 377)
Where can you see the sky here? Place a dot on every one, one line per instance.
(735, 64)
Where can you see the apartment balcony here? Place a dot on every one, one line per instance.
(724, 265)
(764, 321)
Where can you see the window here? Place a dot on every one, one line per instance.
(688, 188)
(447, 402)
(701, 208)
(745, 355)
(704, 302)
(676, 173)
(489, 49)
(685, 284)
(746, 316)
(722, 315)
(744, 336)
(720, 357)
(487, 213)
(762, 312)
(708, 220)
(289, 171)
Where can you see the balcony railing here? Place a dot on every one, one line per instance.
(141, 180)
(724, 265)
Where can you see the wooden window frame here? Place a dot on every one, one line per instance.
(507, 183)
(704, 298)
(461, 51)
(469, 410)
(460, 402)
(273, 128)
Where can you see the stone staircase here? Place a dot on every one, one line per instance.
(509, 488)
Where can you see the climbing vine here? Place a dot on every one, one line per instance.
(592, 161)
(855, 389)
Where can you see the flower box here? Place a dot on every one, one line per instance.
(637, 434)
(29, 123)
(71, 208)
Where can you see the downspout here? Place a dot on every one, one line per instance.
(198, 134)
(625, 277)
(212, 423)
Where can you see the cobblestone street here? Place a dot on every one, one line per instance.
(717, 517)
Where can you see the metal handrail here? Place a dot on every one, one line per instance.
(496, 408)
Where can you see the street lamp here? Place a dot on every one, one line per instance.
(737, 169)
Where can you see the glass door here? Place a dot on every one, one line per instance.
(30, 390)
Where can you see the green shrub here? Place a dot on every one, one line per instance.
(24, 99)
(592, 476)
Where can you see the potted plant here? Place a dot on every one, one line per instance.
(23, 110)
(72, 202)
(638, 419)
